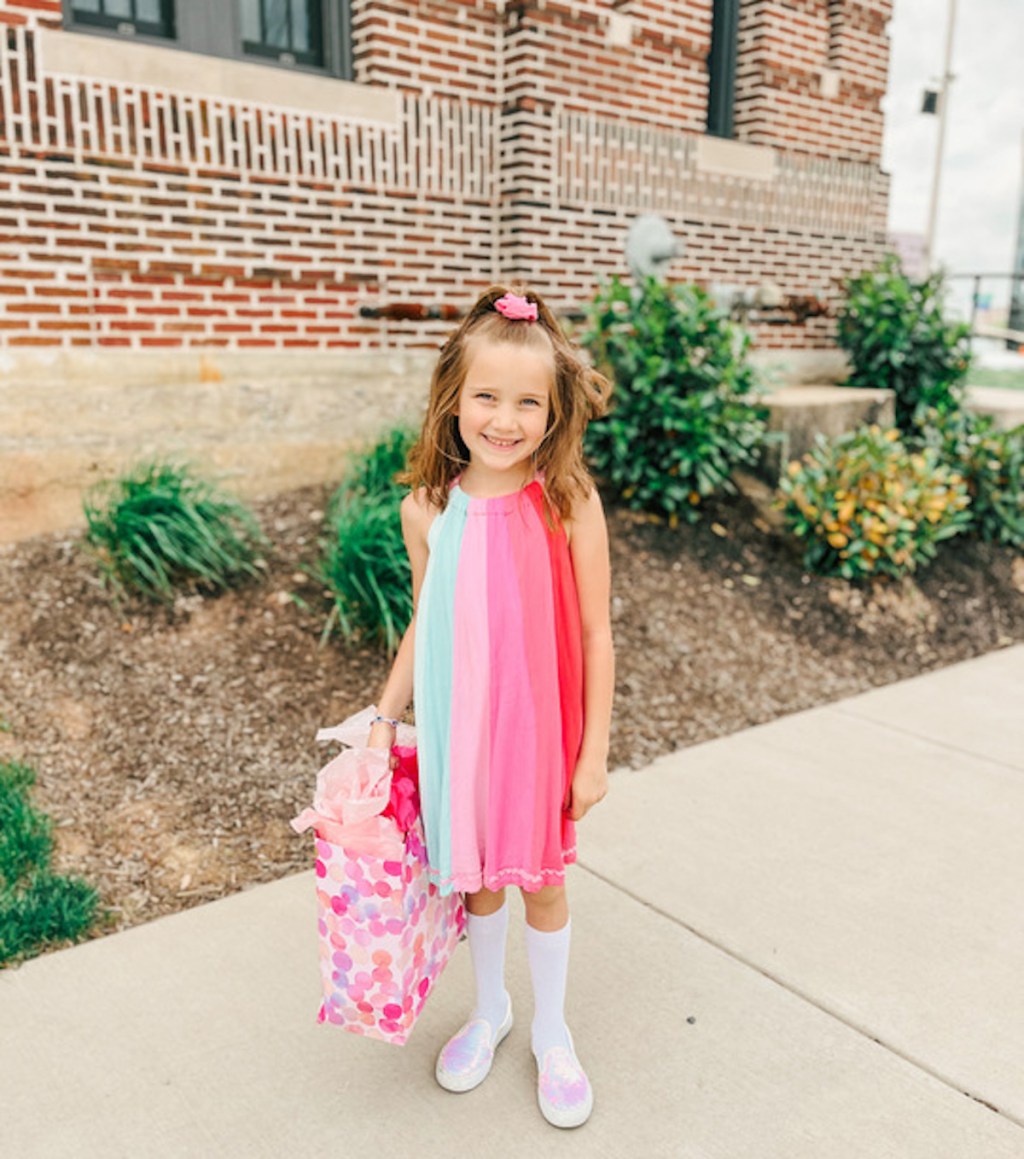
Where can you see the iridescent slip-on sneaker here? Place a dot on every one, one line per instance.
(563, 1089)
(465, 1059)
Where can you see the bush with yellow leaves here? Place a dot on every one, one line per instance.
(866, 506)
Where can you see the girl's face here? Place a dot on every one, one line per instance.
(503, 409)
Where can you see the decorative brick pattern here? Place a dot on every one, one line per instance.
(528, 138)
(441, 146)
(614, 164)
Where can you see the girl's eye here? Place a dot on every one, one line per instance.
(531, 402)
(484, 395)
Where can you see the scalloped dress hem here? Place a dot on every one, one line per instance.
(531, 882)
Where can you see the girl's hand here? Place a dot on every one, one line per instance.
(382, 736)
(589, 785)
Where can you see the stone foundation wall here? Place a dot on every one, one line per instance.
(262, 424)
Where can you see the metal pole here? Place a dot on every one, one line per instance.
(975, 295)
(1016, 318)
(947, 76)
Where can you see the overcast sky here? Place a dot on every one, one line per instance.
(982, 173)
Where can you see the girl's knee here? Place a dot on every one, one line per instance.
(546, 908)
(547, 895)
(484, 902)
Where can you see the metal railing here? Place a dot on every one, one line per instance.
(1013, 333)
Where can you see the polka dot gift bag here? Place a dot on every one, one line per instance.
(385, 932)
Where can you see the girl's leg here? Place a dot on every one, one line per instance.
(563, 1090)
(484, 902)
(487, 930)
(547, 946)
(465, 1059)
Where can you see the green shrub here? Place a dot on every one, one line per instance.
(160, 528)
(896, 336)
(364, 563)
(864, 505)
(683, 413)
(992, 462)
(37, 907)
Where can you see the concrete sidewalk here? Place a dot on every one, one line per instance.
(803, 941)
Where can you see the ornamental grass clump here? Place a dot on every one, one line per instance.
(363, 563)
(37, 907)
(684, 412)
(865, 506)
(160, 529)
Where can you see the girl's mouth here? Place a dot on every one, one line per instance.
(501, 444)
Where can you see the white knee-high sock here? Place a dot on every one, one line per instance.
(487, 949)
(548, 952)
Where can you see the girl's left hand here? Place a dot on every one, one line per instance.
(589, 785)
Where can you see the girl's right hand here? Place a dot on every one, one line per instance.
(382, 736)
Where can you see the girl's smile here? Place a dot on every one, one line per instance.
(503, 412)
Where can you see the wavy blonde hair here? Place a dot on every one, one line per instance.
(578, 395)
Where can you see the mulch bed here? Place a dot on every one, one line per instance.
(173, 744)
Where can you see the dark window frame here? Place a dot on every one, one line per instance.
(124, 26)
(316, 55)
(215, 29)
(722, 59)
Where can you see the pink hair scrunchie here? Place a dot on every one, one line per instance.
(516, 309)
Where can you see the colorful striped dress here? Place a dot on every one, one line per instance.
(498, 689)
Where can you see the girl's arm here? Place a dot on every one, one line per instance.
(394, 700)
(589, 548)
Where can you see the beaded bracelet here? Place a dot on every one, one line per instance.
(378, 719)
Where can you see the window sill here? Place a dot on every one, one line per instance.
(735, 158)
(130, 62)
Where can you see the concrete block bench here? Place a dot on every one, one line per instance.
(797, 414)
(1006, 406)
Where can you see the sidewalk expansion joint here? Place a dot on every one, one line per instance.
(954, 748)
(805, 996)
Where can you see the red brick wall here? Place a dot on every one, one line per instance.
(527, 142)
(36, 12)
(784, 46)
(432, 47)
(560, 53)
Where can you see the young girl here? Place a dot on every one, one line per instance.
(509, 660)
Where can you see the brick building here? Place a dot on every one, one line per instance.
(183, 180)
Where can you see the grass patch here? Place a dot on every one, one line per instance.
(160, 529)
(37, 907)
(993, 376)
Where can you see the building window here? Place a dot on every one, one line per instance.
(290, 31)
(725, 30)
(308, 35)
(127, 17)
